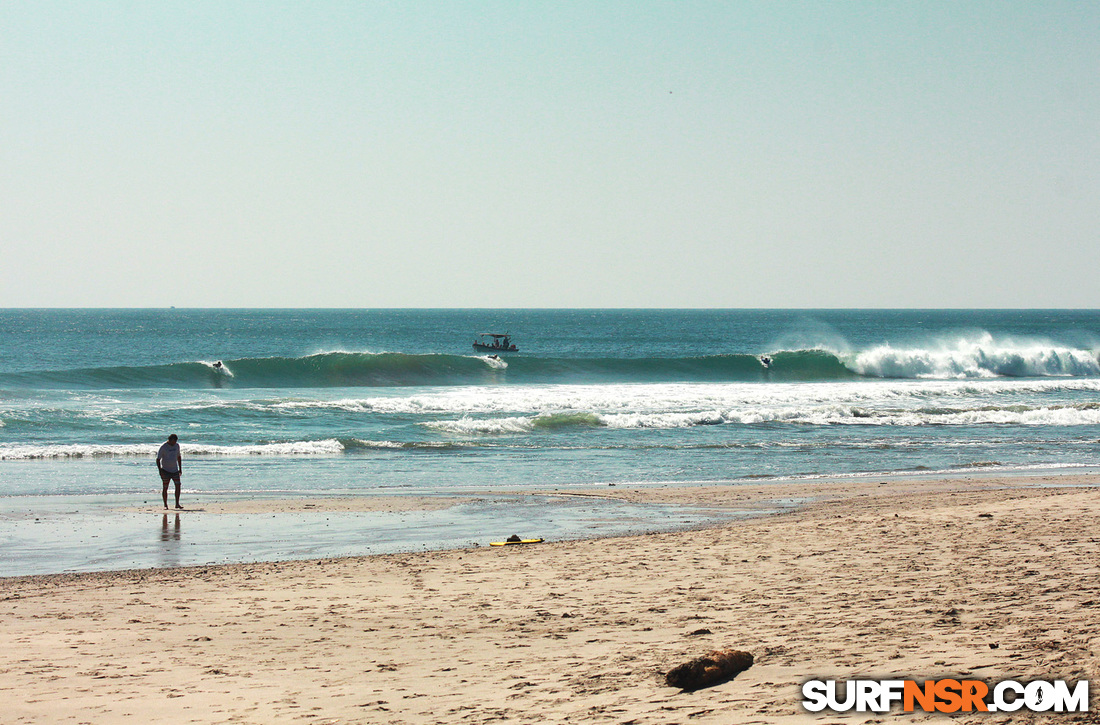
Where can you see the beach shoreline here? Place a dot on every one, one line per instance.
(984, 577)
(71, 534)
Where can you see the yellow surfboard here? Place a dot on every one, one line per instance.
(510, 543)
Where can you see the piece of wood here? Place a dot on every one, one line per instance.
(710, 669)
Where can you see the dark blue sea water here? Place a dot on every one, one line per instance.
(317, 402)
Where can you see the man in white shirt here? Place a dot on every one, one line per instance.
(170, 465)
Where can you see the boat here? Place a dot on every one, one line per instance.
(495, 342)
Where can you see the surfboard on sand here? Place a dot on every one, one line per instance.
(510, 542)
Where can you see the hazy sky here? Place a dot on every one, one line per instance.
(550, 154)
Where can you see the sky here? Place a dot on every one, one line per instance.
(549, 154)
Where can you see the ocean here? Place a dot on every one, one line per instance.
(319, 403)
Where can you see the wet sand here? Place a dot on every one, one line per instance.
(64, 534)
(335, 504)
(983, 577)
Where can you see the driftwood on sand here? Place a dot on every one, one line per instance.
(710, 669)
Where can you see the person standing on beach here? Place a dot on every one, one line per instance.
(170, 465)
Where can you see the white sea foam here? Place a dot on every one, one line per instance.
(9, 452)
(17, 452)
(978, 356)
(687, 398)
(380, 444)
(420, 445)
(472, 426)
(816, 415)
(218, 367)
(492, 361)
(466, 410)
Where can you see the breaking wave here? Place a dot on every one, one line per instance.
(29, 452)
(974, 357)
(827, 415)
(980, 356)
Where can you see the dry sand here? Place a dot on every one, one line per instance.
(903, 578)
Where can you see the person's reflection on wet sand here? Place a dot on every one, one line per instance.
(167, 534)
(170, 535)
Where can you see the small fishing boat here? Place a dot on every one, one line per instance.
(494, 342)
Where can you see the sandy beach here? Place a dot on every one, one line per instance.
(988, 578)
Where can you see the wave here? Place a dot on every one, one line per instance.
(978, 356)
(327, 369)
(825, 415)
(394, 369)
(519, 424)
(965, 358)
(670, 397)
(285, 449)
(30, 452)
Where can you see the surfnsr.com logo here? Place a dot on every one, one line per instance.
(946, 695)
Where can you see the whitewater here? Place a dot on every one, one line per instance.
(366, 402)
